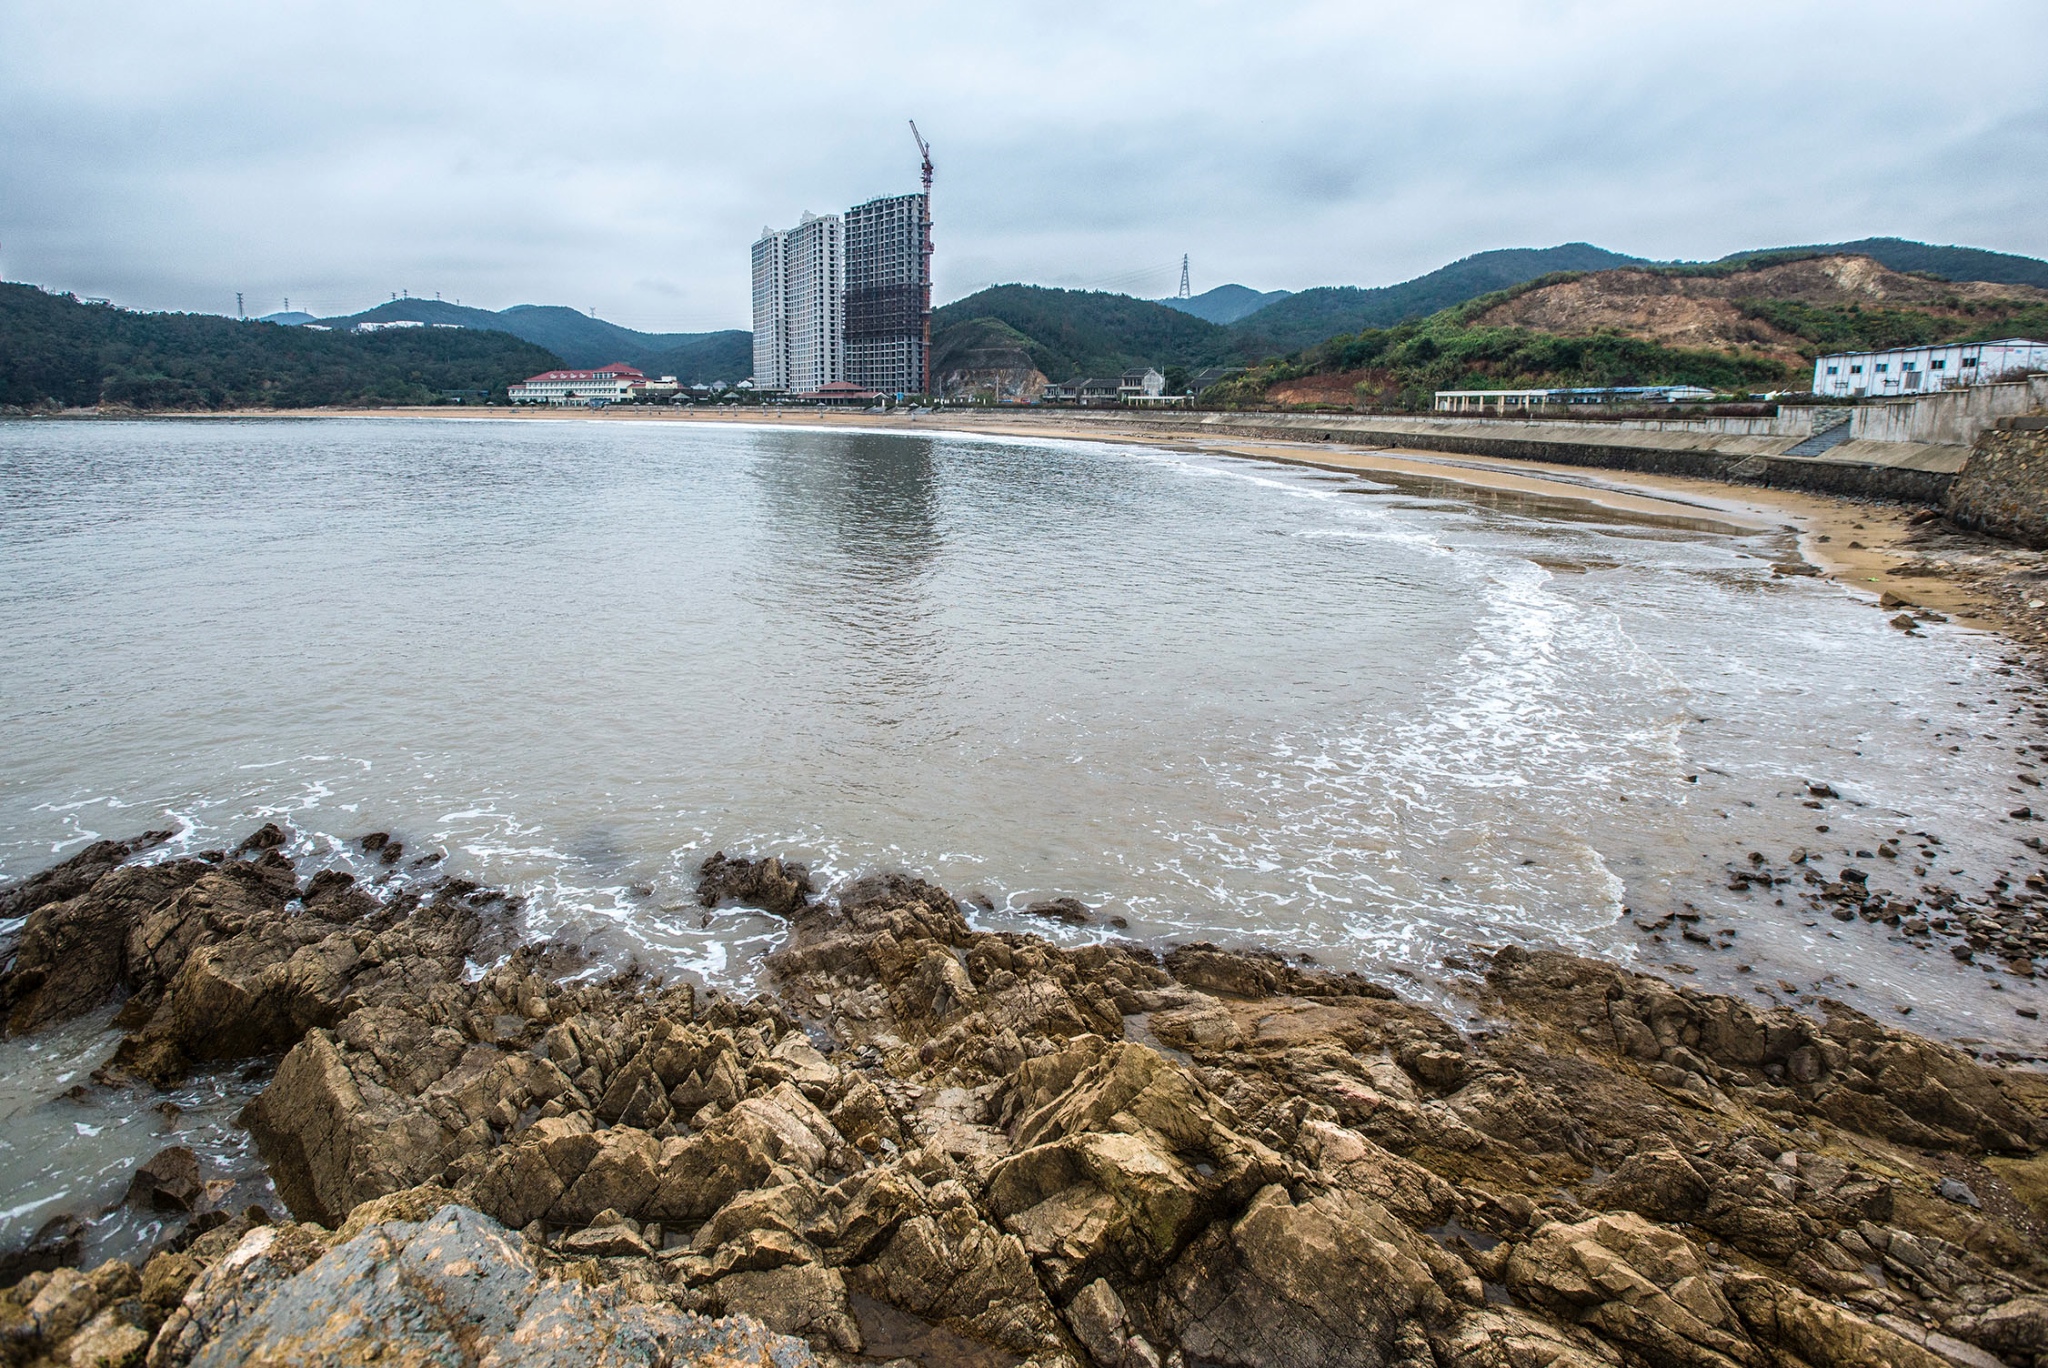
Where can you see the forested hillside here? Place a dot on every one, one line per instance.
(1304, 319)
(580, 340)
(1070, 333)
(58, 352)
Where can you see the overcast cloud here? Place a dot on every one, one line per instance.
(623, 157)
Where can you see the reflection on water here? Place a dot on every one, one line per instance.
(1375, 720)
(851, 545)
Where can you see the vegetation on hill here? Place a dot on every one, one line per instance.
(1072, 333)
(55, 351)
(1304, 319)
(1402, 367)
(1827, 328)
(580, 340)
(1790, 307)
(1950, 263)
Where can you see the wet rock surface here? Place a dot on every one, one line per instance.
(951, 1146)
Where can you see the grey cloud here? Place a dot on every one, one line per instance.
(170, 155)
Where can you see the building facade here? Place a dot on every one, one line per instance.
(771, 310)
(1482, 401)
(888, 293)
(800, 306)
(611, 384)
(1914, 370)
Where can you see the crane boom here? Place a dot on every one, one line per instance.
(925, 150)
(925, 260)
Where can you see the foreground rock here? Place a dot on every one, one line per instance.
(952, 1146)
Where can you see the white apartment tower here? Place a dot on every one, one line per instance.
(771, 311)
(800, 306)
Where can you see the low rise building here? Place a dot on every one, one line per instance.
(839, 394)
(614, 384)
(1140, 384)
(1910, 370)
(1484, 401)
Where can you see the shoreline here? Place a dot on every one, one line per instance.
(932, 1142)
(1875, 547)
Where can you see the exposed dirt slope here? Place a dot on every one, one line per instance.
(1703, 311)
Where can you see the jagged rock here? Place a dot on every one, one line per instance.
(1821, 1335)
(606, 1239)
(1098, 1319)
(948, 1130)
(951, 1267)
(57, 1243)
(803, 1300)
(1291, 1286)
(772, 884)
(456, 1288)
(1072, 911)
(1205, 1026)
(74, 876)
(169, 1181)
(2014, 1330)
(1635, 1283)
(72, 956)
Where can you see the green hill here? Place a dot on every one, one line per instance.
(580, 340)
(1950, 263)
(1304, 319)
(1226, 303)
(55, 351)
(1072, 333)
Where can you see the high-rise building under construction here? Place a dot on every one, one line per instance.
(887, 294)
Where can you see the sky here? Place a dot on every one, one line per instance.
(623, 158)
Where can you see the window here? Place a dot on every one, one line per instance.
(1882, 367)
(1969, 361)
(1833, 369)
(1855, 370)
(1909, 366)
(1937, 365)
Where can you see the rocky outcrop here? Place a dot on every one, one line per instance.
(951, 1145)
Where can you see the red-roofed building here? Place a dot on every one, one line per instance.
(611, 384)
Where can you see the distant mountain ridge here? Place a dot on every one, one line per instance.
(1304, 319)
(580, 340)
(1225, 303)
(1065, 334)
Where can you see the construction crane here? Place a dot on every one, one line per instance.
(925, 262)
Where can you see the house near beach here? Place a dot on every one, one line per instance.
(1910, 370)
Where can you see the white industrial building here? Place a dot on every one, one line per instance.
(800, 306)
(1482, 401)
(605, 385)
(1911, 370)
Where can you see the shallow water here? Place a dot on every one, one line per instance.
(1376, 723)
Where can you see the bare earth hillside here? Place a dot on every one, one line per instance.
(1705, 311)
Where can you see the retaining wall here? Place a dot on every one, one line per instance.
(2004, 488)
(1956, 416)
